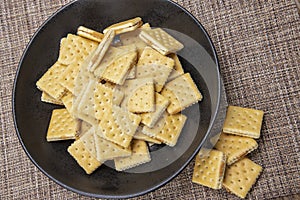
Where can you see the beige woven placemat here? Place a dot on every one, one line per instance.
(258, 48)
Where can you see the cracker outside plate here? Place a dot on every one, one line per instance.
(235, 147)
(241, 176)
(209, 169)
(243, 121)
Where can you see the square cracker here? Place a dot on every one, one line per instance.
(117, 124)
(161, 41)
(68, 77)
(107, 150)
(241, 176)
(167, 129)
(62, 126)
(74, 46)
(140, 155)
(49, 82)
(77, 51)
(161, 103)
(243, 121)
(154, 65)
(235, 147)
(209, 169)
(139, 95)
(181, 92)
(48, 99)
(83, 157)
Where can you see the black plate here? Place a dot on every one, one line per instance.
(32, 116)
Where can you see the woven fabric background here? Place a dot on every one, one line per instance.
(258, 45)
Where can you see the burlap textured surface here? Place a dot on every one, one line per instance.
(258, 45)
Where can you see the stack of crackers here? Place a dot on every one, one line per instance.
(227, 165)
(122, 90)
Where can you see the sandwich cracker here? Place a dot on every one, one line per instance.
(243, 121)
(89, 34)
(48, 99)
(209, 169)
(150, 118)
(125, 26)
(241, 176)
(62, 126)
(83, 157)
(235, 147)
(161, 41)
(107, 150)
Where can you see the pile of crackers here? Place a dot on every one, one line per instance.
(122, 90)
(227, 165)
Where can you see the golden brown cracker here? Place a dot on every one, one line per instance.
(75, 47)
(235, 147)
(243, 121)
(178, 70)
(167, 129)
(209, 169)
(139, 95)
(89, 34)
(62, 126)
(49, 82)
(109, 116)
(83, 157)
(48, 99)
(241, 176)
